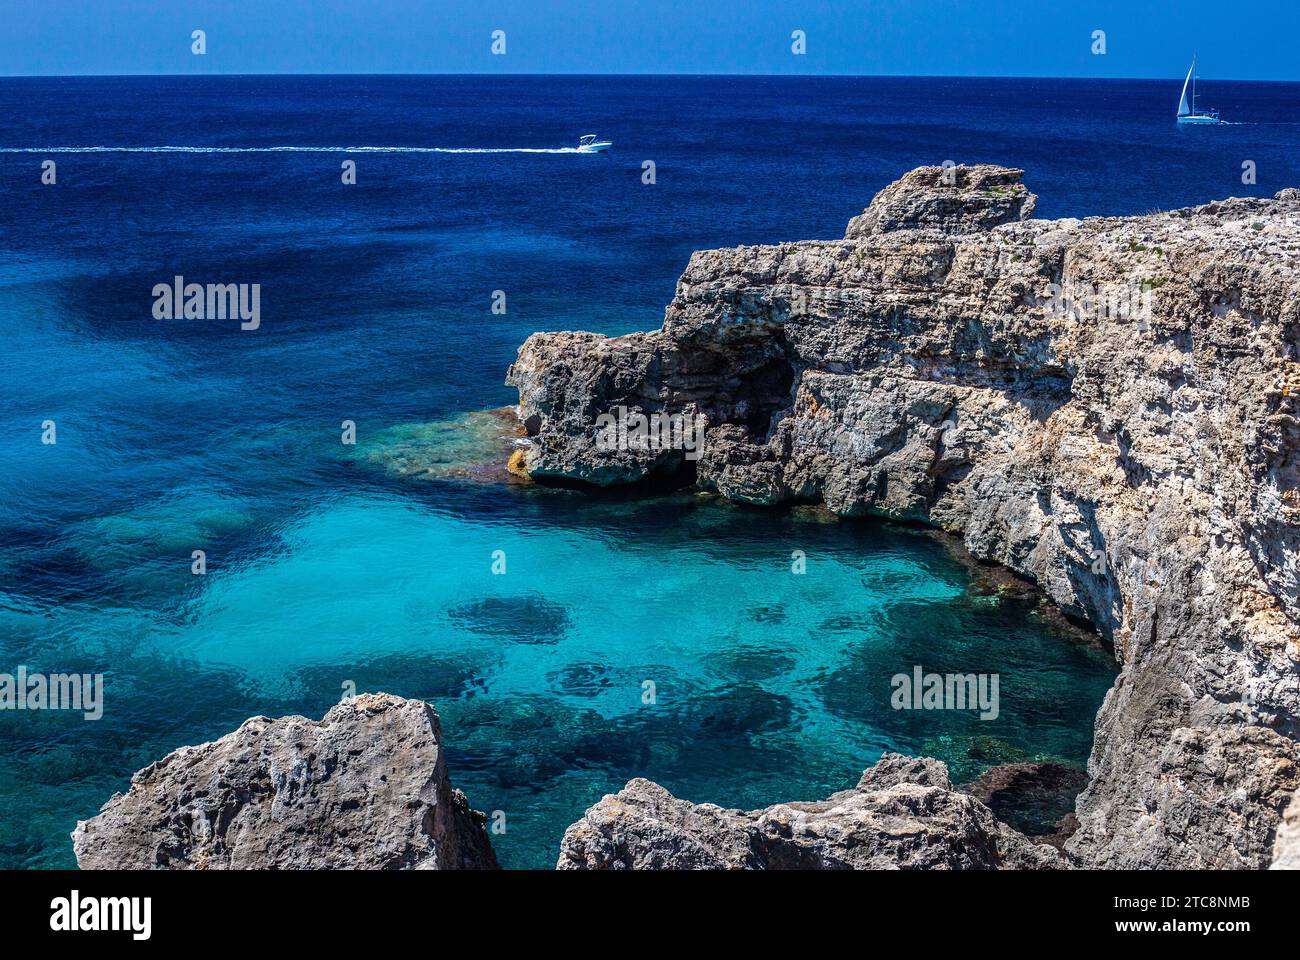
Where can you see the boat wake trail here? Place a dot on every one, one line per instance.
(170, 149)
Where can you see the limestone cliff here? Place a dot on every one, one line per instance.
(903, 814)
(365, 788)
(1108, 406)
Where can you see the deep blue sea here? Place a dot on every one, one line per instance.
(327, 568)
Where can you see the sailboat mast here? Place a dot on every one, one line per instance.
(1193, 114)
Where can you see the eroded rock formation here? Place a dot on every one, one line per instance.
(1107, 406)
(365, 788)
(953, 200)
(903, 814)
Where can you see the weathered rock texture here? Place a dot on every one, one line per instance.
(940, 364)
(954, 200)
(365, 788)
(903, 814)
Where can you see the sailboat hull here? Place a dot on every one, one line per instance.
(1200, 120)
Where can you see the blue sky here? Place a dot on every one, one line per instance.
(1248, 39)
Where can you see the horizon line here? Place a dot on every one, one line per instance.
(766, 76)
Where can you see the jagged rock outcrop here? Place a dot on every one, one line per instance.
(1109, 406)
(364, 788)
(953, 200)
(903, 814)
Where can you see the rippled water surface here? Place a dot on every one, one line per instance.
(330, 565)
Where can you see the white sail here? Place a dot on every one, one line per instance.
(1183, 109)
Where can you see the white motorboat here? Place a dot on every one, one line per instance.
(588, 143)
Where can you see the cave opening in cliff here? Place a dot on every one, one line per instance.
(768, 390)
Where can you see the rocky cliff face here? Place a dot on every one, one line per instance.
(365, 788)
(1107, 406)
(903, 814)
(951, 200)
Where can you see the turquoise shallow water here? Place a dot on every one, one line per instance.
(768, 685)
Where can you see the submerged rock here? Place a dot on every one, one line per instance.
(1109, 407)
(475, 447)
(1035, 798)
(903, 814)
(364, 788)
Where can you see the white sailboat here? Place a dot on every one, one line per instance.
(1189, 114)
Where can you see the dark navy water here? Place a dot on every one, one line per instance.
(326, 569)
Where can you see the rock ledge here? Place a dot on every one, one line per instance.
(903, 814)
(364, 788)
